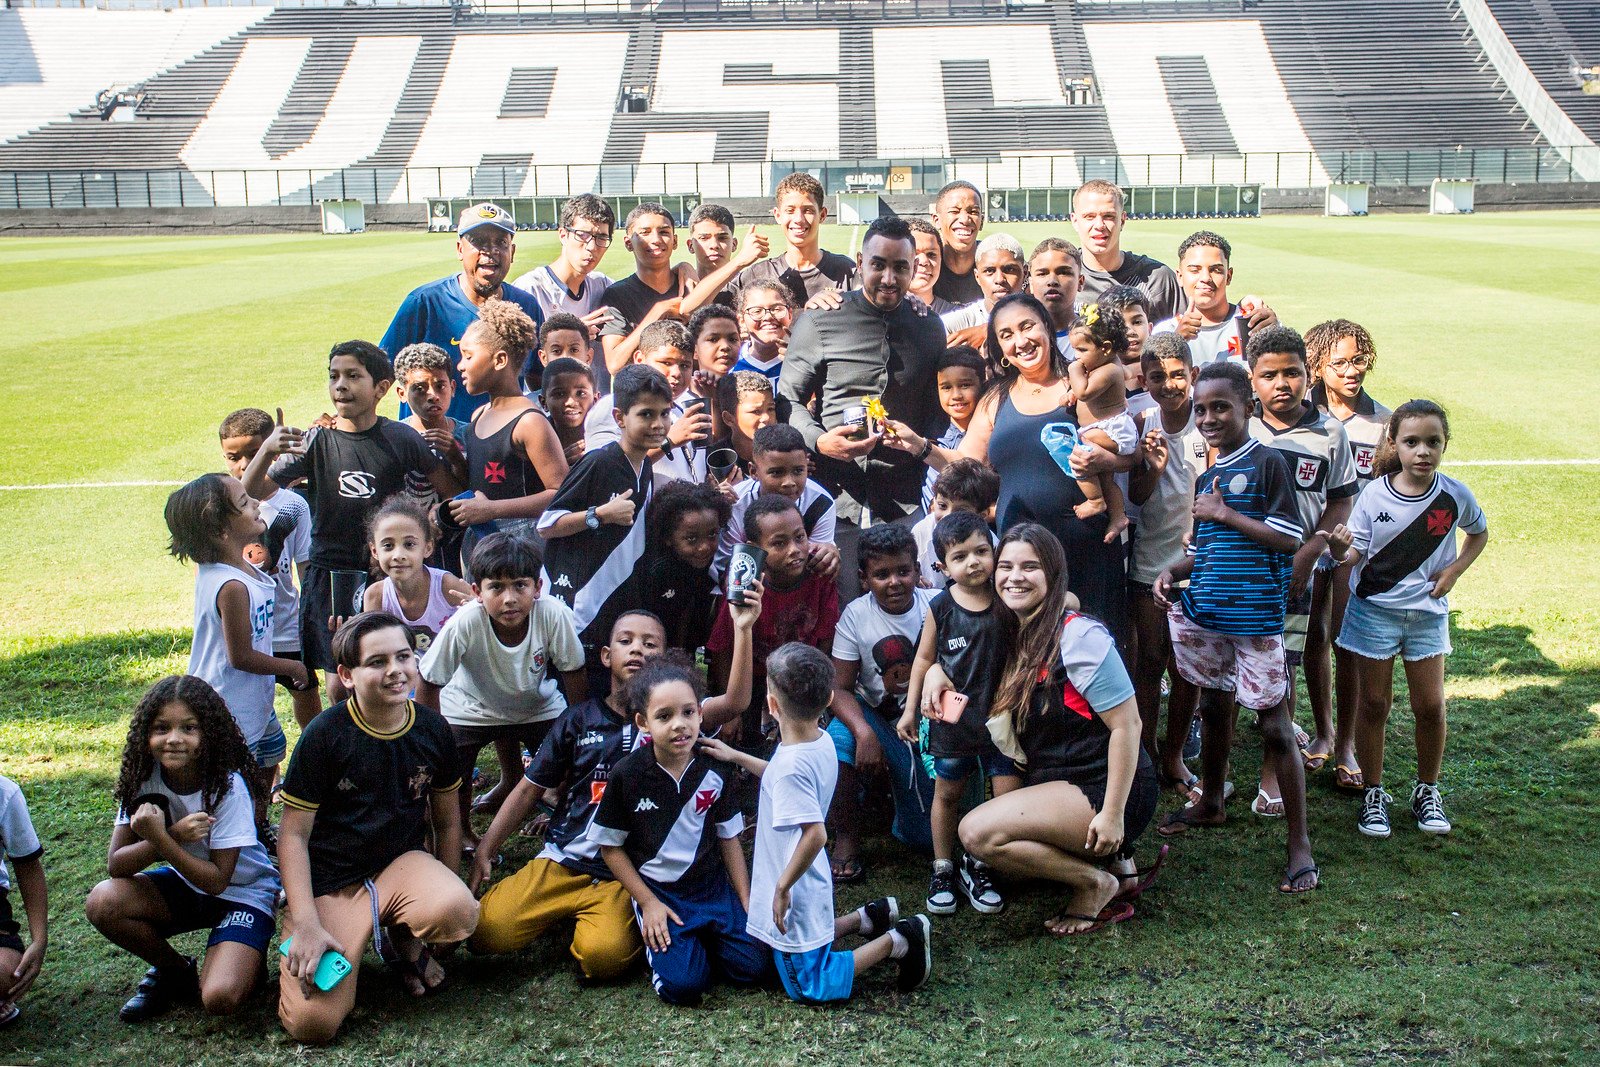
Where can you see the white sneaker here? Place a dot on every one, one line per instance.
(1374, 820)
(1428, 806)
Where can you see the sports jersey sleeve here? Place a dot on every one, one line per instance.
(725, 813)
(846, 635)
(797, 799)
(446, 769)
(236, 818)
(407, 325)
(548, 768)
(561, 642)
(613, 818)
(823, 530)
(298, 543)
(444, 655)
(288, 469)
(1472, 519)
(1360, 522)
(577, 491)
(306, 784)
(1095, 669)
(18, 838)
(1343, 480)
(1277, 496)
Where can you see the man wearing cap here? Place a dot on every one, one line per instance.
(440, 312)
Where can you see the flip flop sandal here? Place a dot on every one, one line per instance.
(418, 969)
(1187, 788)
(1199, 794)
(849, 872)
(1181, 822)
(481, 805)
(1349, 779)
(1288, 883)
(1146, 879)
(1302, 740)
(9, 1015)
(1113, 913)
(1315, 761)
(1263, 802)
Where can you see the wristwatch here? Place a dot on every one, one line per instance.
(591, 519)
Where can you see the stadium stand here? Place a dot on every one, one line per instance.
(1553, 37)
(264, 105)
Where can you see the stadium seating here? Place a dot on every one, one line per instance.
(264, 105)
(1552, 36)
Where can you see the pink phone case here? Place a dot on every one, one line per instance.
(951, 705)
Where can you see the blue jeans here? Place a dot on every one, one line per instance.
(910, 786)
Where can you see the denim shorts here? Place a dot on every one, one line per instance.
(1376, 632)
(993, 763)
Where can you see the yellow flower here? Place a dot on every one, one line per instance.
(875, 408)
(1090, 314)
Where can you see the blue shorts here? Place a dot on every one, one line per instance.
(194, 910)
(273, 745)
(821, 976)
(993, 763)
(1376, 632)
(910, 786)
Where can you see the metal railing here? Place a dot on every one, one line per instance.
(90, 187)
(710, 9)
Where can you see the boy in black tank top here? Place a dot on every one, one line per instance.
(514, 459)
(961, 639)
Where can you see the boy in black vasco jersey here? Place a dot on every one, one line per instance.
(369, 779)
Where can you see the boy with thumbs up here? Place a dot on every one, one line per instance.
(1227, 626)
(804, 268)
(594, 542)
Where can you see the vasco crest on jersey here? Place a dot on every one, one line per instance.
(1310, 472)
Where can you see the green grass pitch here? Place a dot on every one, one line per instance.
(122, 355)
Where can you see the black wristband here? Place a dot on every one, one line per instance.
(927, 448)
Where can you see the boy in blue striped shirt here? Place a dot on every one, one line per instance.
(1227, 626)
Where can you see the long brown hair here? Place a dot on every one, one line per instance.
(1387, 458)
(1033, 641)
(222, 748)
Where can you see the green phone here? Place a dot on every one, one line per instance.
(331, 969)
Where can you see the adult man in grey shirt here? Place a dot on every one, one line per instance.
(874, 344)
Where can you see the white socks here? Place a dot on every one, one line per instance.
(898, 945)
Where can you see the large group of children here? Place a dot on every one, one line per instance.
(615, 568)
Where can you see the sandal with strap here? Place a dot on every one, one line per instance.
(1349, 779)
(1113, 913)
(1288, 885)
(1145, 879)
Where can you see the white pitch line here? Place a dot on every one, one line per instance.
(1523, 463)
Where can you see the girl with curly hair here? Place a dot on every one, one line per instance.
(184, 802)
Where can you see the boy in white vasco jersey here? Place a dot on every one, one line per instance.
(1402, 534)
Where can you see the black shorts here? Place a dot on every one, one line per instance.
(285, 680)
(193, 910)
(316, 605)
(470, 740)
(1143, 796)
(9, 929)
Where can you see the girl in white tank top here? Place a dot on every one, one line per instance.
(423, 597)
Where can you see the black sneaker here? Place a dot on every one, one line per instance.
(977, 885)
(160, 991)
(942, 891)
(917, 963)
(881, 915)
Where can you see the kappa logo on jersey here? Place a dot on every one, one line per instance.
(704, 799)
(1307, 471)
(1364, 456)
(669, 594)
(646, 804)
(346, 785)
(357, 485)
(562, 583)
(1384, 516)
(1439, 521)
(494, 473)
